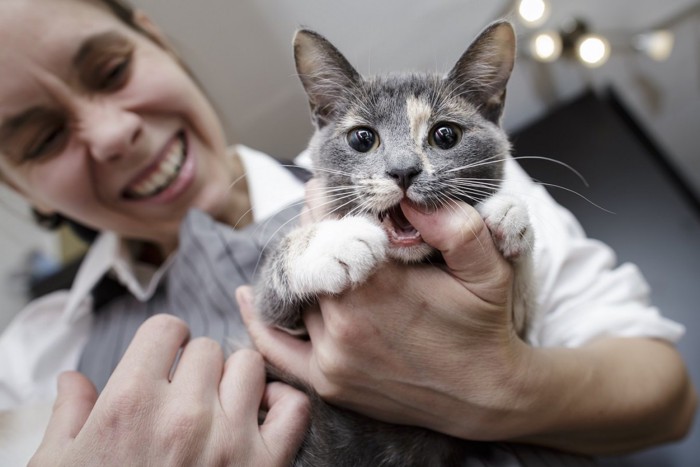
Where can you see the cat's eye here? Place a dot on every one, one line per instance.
(363, 139)
(445, 135)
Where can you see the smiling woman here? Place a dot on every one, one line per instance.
(101, 124)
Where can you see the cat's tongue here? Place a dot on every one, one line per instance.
(401, 232)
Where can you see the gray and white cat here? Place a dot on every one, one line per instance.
(422, 137)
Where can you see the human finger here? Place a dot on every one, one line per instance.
(200, 367)
(283, 351)
(75, 399)
(462, 237)
(242, 385)
(154, 348)
(286, 421)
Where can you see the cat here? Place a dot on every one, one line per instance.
(430, 139)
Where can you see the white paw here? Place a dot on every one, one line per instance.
(339, 254)
(507, 219)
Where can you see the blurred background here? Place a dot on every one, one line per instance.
(612, 88)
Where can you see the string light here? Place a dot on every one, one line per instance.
(593, 50)
(533, 12)
(546, 46)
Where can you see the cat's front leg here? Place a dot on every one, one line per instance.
(508, 220)
(328, 257)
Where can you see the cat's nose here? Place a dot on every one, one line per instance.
(404, 176)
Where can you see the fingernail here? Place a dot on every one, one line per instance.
(408, 205)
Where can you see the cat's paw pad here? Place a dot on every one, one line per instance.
(340, 253)
(508, 220)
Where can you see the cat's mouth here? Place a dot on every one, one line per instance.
(400, 232)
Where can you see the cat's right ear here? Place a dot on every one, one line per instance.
(327, 76)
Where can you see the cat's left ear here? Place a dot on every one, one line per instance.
(482, 72)
(327, 76)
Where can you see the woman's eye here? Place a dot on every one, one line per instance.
(115, 74)
(48, 142)
(363, 139)
(445, 135)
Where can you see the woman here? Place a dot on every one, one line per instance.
(100, 123)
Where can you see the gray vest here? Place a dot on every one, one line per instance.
(199, 286)
(211, 262)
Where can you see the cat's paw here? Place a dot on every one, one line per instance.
(339, 254)
(508, 220)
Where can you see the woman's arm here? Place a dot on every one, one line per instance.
(431, 347)
(611, 396)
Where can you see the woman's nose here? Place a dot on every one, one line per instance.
(110, 132)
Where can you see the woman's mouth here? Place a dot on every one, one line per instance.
(162, 174)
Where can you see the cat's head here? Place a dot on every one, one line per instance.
(422, 137)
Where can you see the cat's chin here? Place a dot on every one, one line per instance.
(411, 254)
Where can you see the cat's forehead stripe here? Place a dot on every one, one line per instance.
(419, 112)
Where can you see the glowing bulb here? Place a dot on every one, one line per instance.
(656, 44)
(533, 12)
(593, 50)
(546, 46)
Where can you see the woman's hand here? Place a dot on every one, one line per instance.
(203, 412)
(423, 345)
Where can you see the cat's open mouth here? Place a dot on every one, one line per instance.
(401, 233)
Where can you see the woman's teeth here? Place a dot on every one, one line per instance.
(162, 176)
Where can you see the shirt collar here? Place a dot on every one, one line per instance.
(271, 188)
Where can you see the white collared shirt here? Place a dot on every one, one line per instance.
(583, 293)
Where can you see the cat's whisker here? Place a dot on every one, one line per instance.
(333, 171)
(497, 159)
(558, 162)
(238, 179)
(574, 192)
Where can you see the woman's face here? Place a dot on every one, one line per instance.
(101, 124)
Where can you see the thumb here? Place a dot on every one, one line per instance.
(283, 351)
(74, 402)
(464, 240)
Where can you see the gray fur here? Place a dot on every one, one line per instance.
(402, 109)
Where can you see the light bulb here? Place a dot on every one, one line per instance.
(656, 44)
(593, 50)
(533, 12)
(546, 46)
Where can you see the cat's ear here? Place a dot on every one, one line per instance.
(482, 72)
(325, 73)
